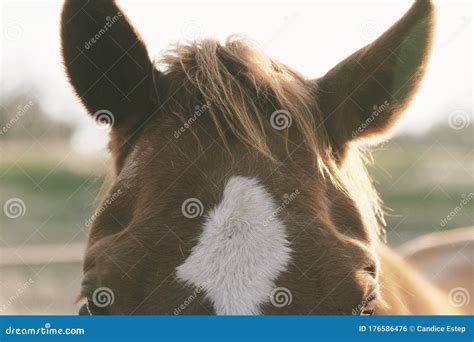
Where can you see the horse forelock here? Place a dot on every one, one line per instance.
(240, 86)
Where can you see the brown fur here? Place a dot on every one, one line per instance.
(138, 239)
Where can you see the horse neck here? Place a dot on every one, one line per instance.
(406, 292)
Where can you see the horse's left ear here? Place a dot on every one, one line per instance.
(364, 95)
(106, 60)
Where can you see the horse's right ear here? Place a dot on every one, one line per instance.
(106, 61)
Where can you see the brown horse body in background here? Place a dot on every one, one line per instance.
(237, 180)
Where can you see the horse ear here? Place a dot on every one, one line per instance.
(106, 60)
(364, 95)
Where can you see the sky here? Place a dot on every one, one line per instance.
(310, 36)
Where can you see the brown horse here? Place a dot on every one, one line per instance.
(239, 185)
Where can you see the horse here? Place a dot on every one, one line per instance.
(238, 185)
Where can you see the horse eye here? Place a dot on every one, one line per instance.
(371, 270)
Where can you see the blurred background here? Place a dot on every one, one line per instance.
(53, 156)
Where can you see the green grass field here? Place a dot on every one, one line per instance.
(57, 202)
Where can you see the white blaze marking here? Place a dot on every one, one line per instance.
(242, 250)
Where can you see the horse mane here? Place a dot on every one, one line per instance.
(237, 80)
